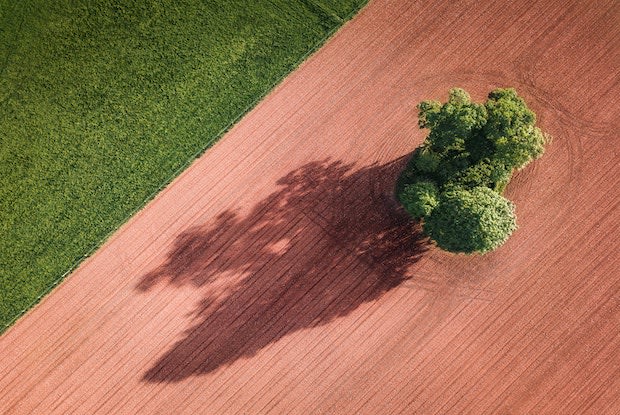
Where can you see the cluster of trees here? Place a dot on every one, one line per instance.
(455, 179)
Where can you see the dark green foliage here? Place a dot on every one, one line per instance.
(511, 128)
(477, 220)
(489, 173)
(452, 123)
(427, 161)
(103, 101)
(419, 199)
(471, 151)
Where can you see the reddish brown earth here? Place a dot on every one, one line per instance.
(277, 275)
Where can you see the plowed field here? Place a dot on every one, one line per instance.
(278, 275)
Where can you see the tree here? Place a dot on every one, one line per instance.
(453, 123)
(511, 128)
(419, 199)
(468, 221)
(427, 160)
(491, 173)
(454, 180)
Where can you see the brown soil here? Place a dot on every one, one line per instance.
(277, 275)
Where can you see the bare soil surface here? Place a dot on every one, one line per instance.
(278, 275)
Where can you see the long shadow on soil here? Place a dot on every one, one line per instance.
(330, 239)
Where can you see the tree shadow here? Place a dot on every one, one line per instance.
(328, 240)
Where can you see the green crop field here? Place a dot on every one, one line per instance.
(103, 102)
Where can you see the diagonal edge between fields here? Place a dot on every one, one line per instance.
(208, 144)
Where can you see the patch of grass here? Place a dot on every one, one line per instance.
(103, 102)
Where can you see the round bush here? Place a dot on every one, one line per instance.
(469, 221)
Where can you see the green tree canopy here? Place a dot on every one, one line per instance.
(453, 123)
(419, 199)
(454, 180)
(510, 127)
(476, 220)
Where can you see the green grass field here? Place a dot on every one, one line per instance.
(103, 102)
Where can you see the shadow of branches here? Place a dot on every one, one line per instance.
(328, 240)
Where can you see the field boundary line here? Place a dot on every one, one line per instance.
(209, 143)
